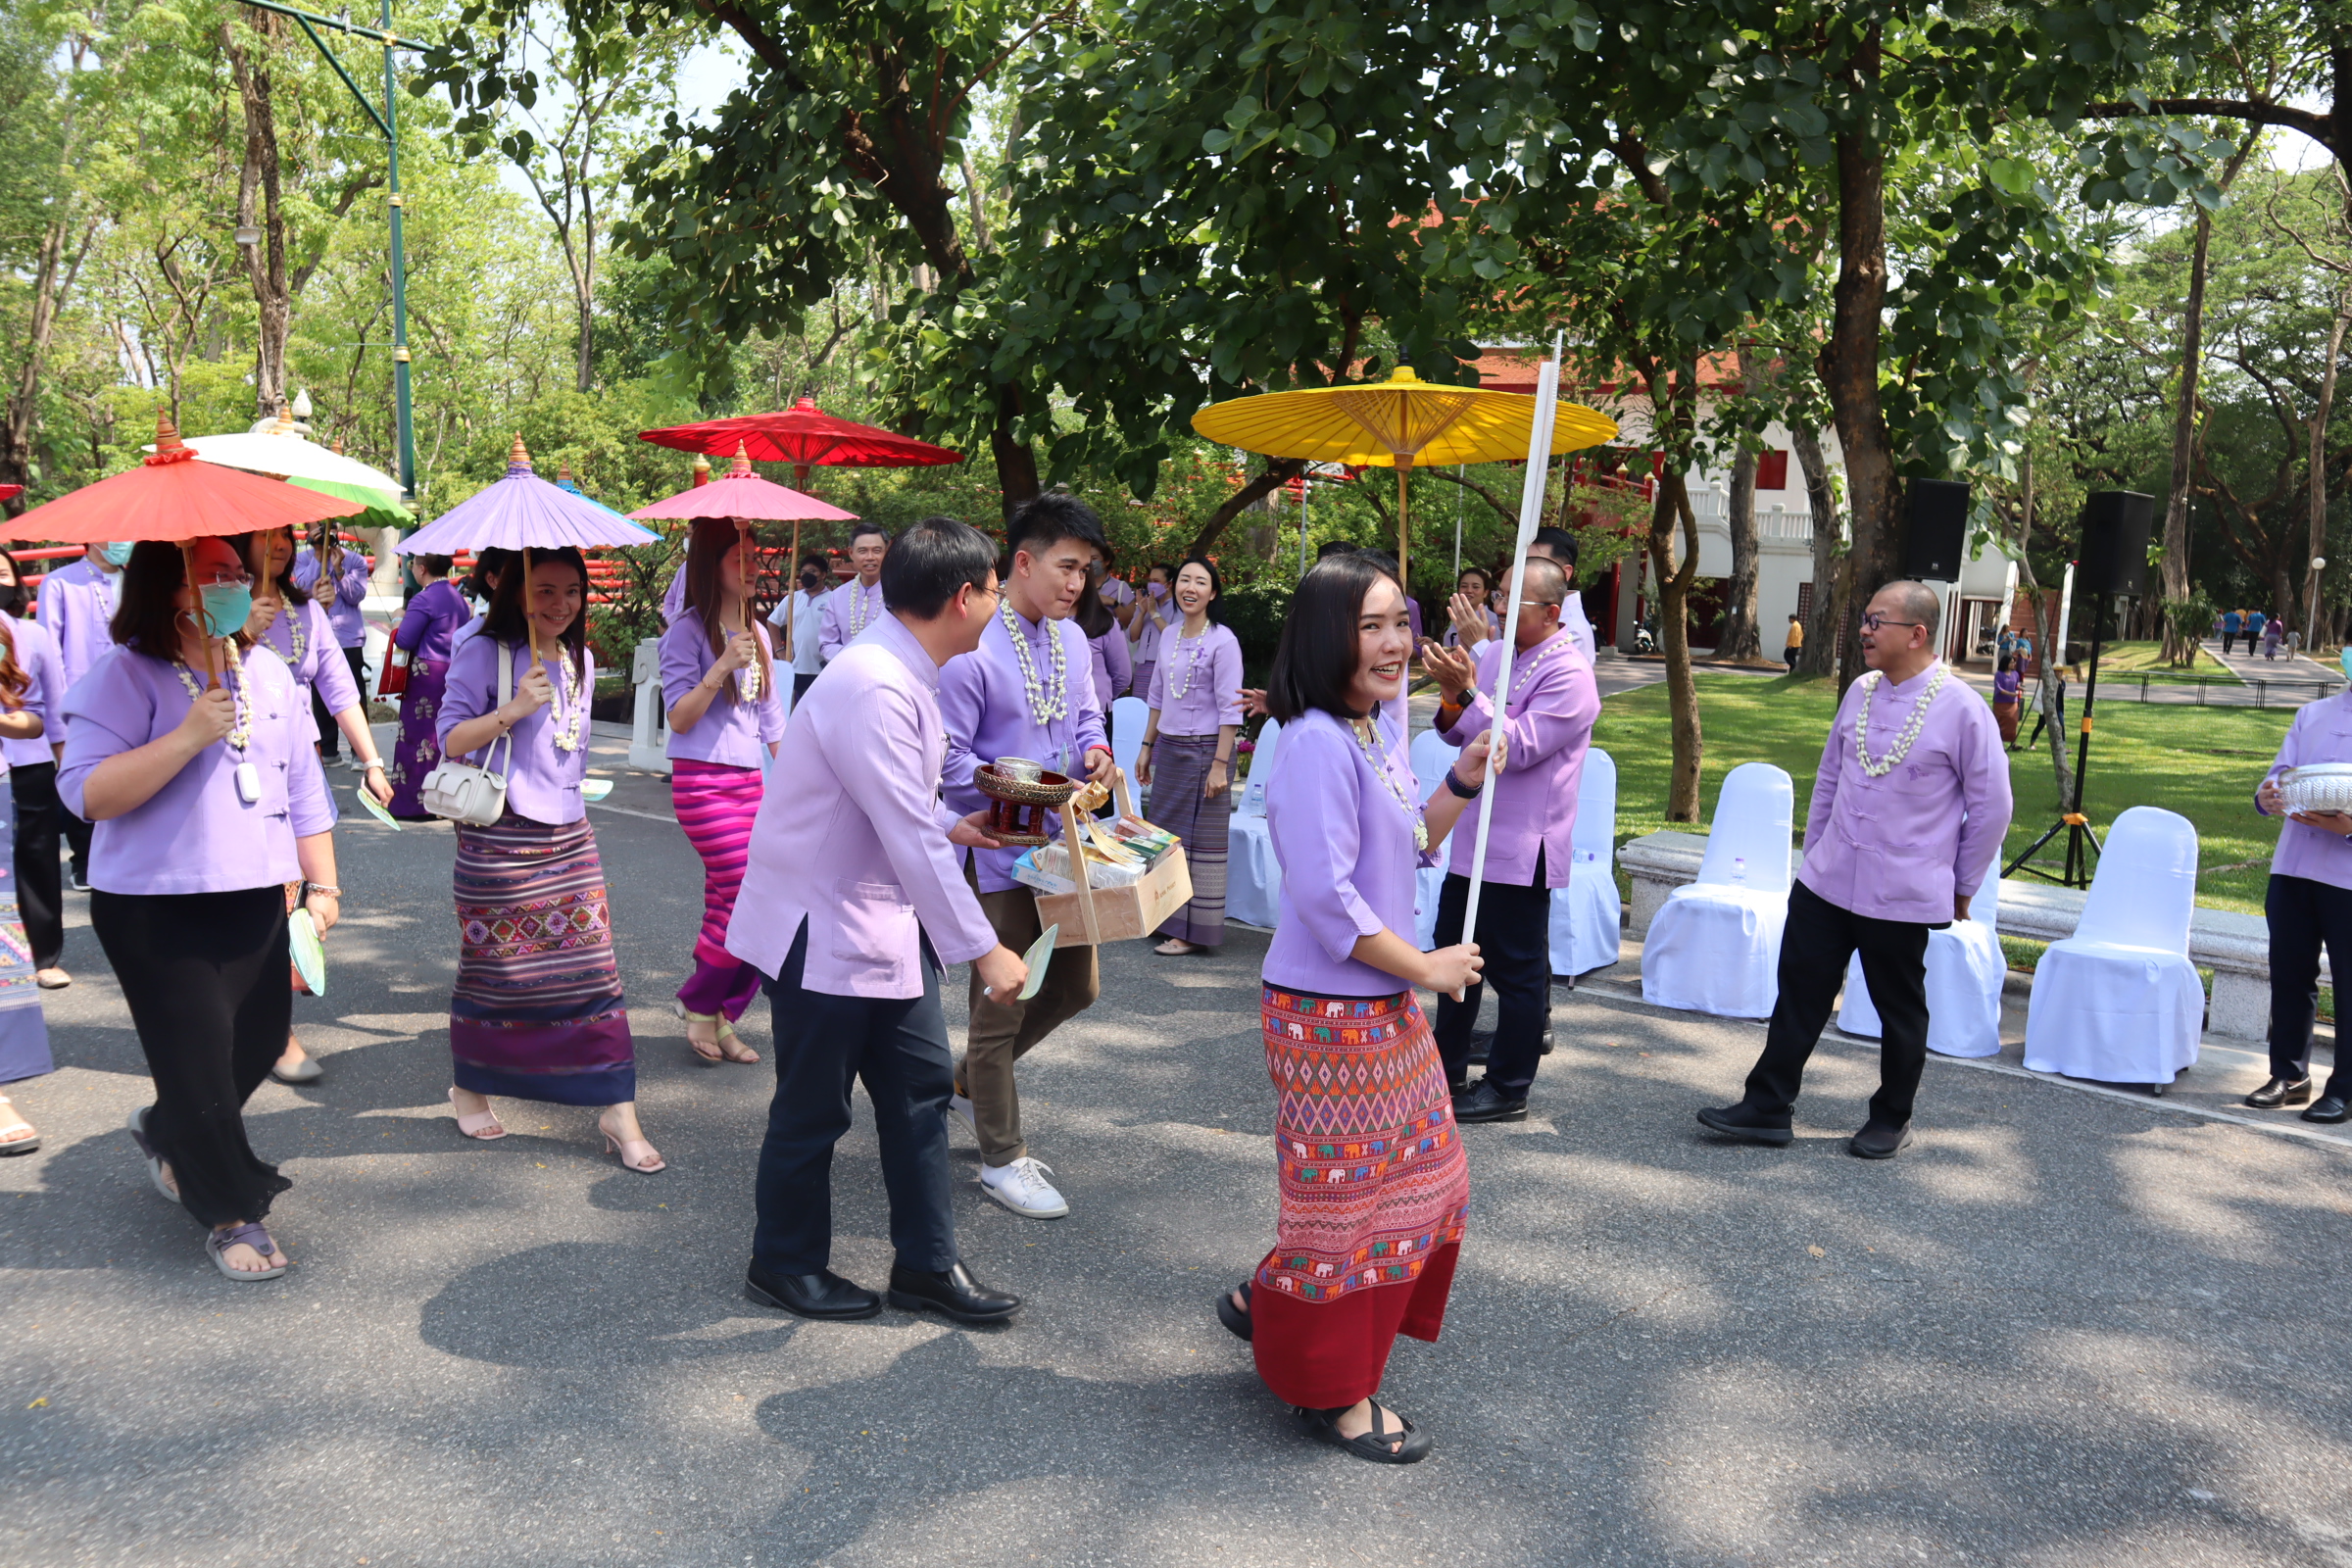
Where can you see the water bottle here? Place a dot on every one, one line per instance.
(1739, 870)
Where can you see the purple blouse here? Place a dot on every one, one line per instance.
(730, 731)
(1345, 842)
(317, 666)
(350, 591)
(36, 656)
(848, 610)
(543, 780)
(985, 705)
(77, 605)
(195, 834)
(1208, 672)
(431, 623)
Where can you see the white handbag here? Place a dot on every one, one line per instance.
(464, 792)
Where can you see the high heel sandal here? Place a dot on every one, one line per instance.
(480, 1125)
(618, 1147)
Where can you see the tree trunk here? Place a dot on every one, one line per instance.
(265, 263)
(1819, 654)
(1849, 369)
(1670, 505)
(1740, 638)
(52, 281)
(2319, 468)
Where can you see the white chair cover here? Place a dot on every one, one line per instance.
(1128, 717)
(2119, 1001)
(1586, 917)
(1252, 876)
(1432, 754)
(1965, 971)
(1715, 946)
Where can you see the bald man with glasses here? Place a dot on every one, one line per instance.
(1546, 732)
(1909, 805)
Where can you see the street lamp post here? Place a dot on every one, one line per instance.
(388, 124)
(2311, 605)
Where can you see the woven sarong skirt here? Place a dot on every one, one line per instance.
(1375, 1190)
(417, 751)
(1178, 774)
(716, 803)
(537, 1013)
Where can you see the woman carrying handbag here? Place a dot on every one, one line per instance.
(537, 1012)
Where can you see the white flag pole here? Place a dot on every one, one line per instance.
(1531, 517)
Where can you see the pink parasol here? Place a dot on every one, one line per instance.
(743, 498)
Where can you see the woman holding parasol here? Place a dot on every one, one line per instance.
(718, 679)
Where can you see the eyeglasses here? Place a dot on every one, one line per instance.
(1873, 621)
(225, 578)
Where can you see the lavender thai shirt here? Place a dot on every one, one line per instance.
(1112, 667)
(429, 626)
(858, 847)
(985, 704)
(322, 663)
(195, 834)
(2321, 732)
(1344, 840)
(1197, 685)
(76, 604)
(1902, 847)
(350, 591)
(1547, 733)
(543, 780)
(36, 656)
(731, 731)
(849, 610)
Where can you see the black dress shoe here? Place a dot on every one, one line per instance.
(952, 1290)
(1744, 1122)
(1481, 1046)
(1878, 1141)
(2328, 1108)
(2281, 1091)
(1483, 1101)
(823, 1294)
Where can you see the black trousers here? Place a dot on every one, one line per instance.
(1819, 939)
(800, 686)
(205, 975)
(1514, 937)
(2304, 913)
(330, 738)
(898, 1048)
(40, 879)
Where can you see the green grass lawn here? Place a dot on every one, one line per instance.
(2202, 763)
(2129, 662)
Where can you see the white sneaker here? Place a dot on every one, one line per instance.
(1022, 1187)
(961, 1106)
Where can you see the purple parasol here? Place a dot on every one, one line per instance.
(523, 512)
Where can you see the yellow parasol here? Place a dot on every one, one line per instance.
(1395, 423)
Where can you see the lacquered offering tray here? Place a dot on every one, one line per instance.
(1023, 809)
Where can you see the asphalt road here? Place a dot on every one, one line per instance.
(2063, 1328)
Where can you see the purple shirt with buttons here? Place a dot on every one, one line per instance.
(36, 656)
(350, 591)
(1344, 837)
(731, 732)
(543, 780)
(1197, 685)
(2321, 732)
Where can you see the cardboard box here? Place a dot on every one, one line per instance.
(1092, 916)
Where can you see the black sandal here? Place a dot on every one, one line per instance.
(1374, 1444)
(1235, 1318)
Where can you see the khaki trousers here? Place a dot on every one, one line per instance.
(1003, 1031)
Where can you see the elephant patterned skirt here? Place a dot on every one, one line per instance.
(1375, 1190)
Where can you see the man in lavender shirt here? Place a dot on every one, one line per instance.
(1911, 801)
(851, 902)
(2307, 903)
(1556, 545)
(857, 603)
(1530, 843)
(78, 607)
(1032, 698)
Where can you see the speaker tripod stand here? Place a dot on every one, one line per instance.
(2082, 843)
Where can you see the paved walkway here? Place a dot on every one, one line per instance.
(2063, 1329)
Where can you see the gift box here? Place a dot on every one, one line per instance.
(1090, 917)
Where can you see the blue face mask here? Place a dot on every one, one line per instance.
(227, 604)
(118, 551)
(2346, 660)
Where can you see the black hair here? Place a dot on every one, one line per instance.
(1316, 660)
(1050, 518)
(438, 566)
(508, 619)
(932, 560)
(1092, 615)
(861, 530)
(147, 612)
(1560, 542)
(253, 550)
(1335, 547)
(1216, 586)
(488, 566)
(814, 562)
(20, 604)
(1164, 569)
(2008, 662)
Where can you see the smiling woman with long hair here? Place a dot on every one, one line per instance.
(207, 798)
(1187, 757)
(1372, 1179)
(537, 1010)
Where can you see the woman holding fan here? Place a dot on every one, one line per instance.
(718, 679)
(537, 1010)
(193, 758)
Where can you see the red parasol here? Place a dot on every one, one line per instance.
(805, 436)
(10, 492)
(170, 495)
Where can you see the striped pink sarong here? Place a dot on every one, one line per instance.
(716, 803)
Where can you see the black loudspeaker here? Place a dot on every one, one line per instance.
(1936, 530)
(2115, 542)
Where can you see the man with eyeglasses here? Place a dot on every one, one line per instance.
(1546, 732)
(1909, 806)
